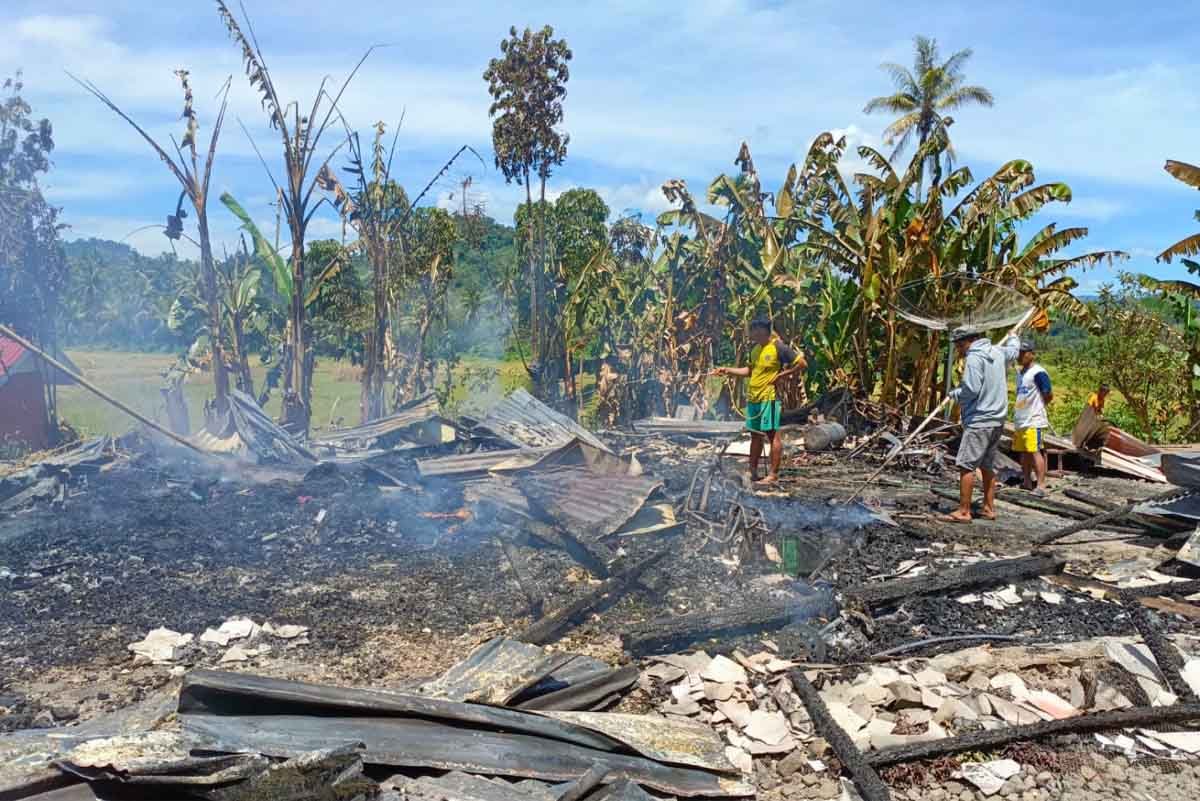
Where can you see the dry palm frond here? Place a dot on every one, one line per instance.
(1188, 173)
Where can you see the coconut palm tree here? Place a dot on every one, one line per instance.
(923, 97)
(1190, 245)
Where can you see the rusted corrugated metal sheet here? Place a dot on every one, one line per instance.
(462, 466)
(584, 503)
(419, 422)
(524, 421)
(695, 428)
(677, 742)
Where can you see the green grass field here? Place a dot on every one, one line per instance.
(135, 378)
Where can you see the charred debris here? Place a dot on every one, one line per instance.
(614, 614)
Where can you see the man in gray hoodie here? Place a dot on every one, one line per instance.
(982, 396)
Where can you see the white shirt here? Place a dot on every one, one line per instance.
(1030, 409)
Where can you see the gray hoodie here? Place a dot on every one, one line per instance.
(983, 391)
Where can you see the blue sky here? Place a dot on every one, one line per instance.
(1098, 94)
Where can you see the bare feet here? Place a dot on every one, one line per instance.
(769, 480)
(955, 517)
(987, 514)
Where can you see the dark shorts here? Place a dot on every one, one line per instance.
(978, 448)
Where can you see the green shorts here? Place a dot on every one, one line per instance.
(763, 417)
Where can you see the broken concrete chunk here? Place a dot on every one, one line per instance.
(906, 694)
(989, 777)
(953, 709)
(767, 727)
(690, 663)
(1190, 552)
(664, 672)
(681, 708)
(714, 691)
(1052, 705)
(723, 669)
(739, 759)
(1052, 598)
(161, 645)
(1013, 715)
(287, 631)
(845, 718)
(1183, 740)
(978, 681)
(930, 677)
(737, 712)
(1011, 682)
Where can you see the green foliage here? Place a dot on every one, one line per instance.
(120, 299)
(33, 270)
(527, 85)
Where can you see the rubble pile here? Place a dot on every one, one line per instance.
(516, 608)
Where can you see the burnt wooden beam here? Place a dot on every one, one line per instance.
(1091, 522)
(667, 634)
(1080, 724)
(554, 625)
(869, 785)
(1168, 659)
(1038, 506)
(980, 574)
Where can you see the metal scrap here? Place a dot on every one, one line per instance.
(523, 421)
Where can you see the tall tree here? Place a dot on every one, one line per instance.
(194, 180)
(33, 269)
(923, 97)
(527, 85)
(301, 138)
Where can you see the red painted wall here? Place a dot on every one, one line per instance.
(23, 410)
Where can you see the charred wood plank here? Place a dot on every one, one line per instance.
(536, 602)
(1147, 596)
(983, 573)
(1163, 526)
(1091, 522)
(668, 634)
(551, 627)
(1080, 724)
(1037, 506)
(869, 785)
(1168, 659)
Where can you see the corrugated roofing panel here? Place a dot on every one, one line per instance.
(586, 504)
(417, 415)
(697, 428)
(524, 421)
(470, 464)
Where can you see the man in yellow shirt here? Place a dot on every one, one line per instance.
(770, 362)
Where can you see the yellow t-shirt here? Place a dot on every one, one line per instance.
(765, 365)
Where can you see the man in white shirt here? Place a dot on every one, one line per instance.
(1029, 416)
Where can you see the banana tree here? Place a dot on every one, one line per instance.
(276, 285)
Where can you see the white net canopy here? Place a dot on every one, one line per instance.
(961, 301)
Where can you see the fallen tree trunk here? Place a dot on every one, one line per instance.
(1080, 724)
(983, 573)
(869, 785)
(551, 627)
